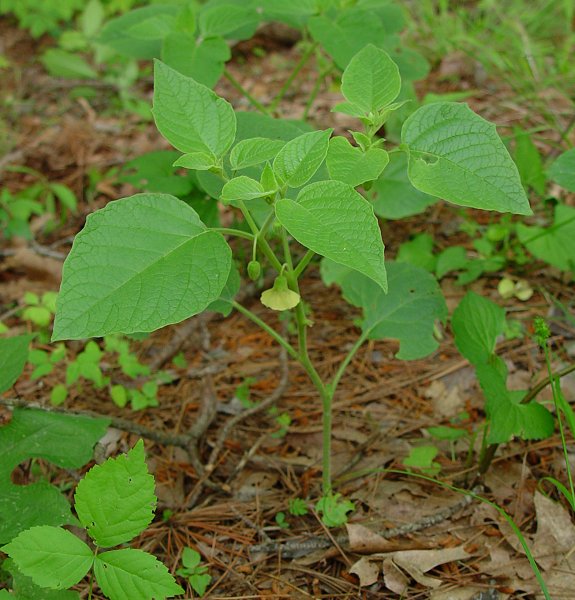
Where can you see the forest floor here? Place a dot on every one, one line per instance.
(463, 549)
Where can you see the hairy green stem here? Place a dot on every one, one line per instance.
(242, 90)
(263, 325)
(287, 84)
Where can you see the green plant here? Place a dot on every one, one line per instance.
(477, 323)
(563, 409)
(17, 209)
(145, 291)
(421, 458)
(194, 571)
(114, 502)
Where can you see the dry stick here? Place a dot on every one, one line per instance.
(294, 548)
(234, 421)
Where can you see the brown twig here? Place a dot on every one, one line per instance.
(297, 548)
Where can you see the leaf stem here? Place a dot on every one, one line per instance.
(324, 391)
(260, 323)
(262, 242)
(253, 101)
(315, 91)
(287, 84)
(349, 357)
(236, 232)
(303, 263)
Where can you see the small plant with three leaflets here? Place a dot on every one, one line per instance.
(148, 261)
(114, 502)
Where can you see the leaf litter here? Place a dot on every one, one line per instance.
(382, 408)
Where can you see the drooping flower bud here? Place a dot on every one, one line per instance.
(280, 297)
(254, 270)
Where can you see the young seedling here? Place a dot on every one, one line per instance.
(114, 502)
(284, 191)
(194, 571)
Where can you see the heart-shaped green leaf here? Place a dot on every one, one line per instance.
(189, 115)
(301, 157)
(332, 219)
(353, 166)
(139, 263)
(456, 155)
(371, 80)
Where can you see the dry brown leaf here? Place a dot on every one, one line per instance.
(366, 570)
(365, 541)
(555, 536)
(418, 562)
(394, 578)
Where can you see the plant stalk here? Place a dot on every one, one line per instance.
(287, 84)
(242, 90)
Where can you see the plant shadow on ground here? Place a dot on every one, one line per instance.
(382, 410)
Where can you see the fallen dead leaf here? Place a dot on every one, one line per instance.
(366, 570)
(394, 578)
(555, 536)
(365, 541)
(418, 562)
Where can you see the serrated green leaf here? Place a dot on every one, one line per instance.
(371, 80)
(332, 219)
(242, 188)
(553, 244)
(301, 157)
(51, 556)
(407, 312)
(25, 589)
(115, 501)
(456, 155)
(198, 161)
(189, 115)
(334, 509)
(394, 196)
(254, 151)
(353, 166)
(476, 323)
(131, 574)
(64, 440)
(202, 59)
(13, 356)
(139, 263)
(562, 171)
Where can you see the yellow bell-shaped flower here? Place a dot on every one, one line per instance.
(280, 297)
